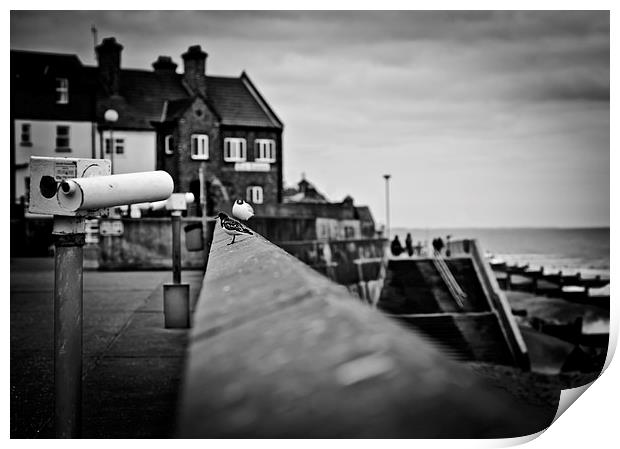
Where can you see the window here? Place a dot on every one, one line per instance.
(265, 150)
(234, 149)
(349, 232)
(254, 194)
(119, 145)
(26, 142)
(62, 91)
(62, 139)
(168, 144)
(200, 146)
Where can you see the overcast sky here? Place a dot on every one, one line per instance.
(482, 118)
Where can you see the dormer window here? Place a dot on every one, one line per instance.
(265, 150)
(234, 149)
(62, 91)
(200, 146)
(168, 145)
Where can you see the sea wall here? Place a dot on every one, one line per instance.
(143, 243)
(277, 350)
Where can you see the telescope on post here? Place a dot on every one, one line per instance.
(73, 189)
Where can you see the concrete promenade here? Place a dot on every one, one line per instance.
(132, 364)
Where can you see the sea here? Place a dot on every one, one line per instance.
(572, 250)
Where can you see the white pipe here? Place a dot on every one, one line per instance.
(99, 192)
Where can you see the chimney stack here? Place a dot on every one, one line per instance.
(194, 61)
(109, 59)
(164, 64)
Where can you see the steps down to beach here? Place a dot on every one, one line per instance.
(415, 293)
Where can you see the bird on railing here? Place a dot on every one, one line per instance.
(242, 210)
(232, 227)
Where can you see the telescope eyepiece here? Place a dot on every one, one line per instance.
(68, 187)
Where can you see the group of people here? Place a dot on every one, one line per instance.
(397, 248)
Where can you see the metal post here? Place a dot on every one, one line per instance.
(69, 236)
(111, 149)
(203, 194)
(176, 294)
(387, 205)
(176, 247)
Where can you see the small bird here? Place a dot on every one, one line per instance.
(242, 210)
(232, 226)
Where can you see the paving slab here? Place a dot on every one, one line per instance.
(132, 364)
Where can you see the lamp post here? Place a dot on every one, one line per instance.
(111, 116)
(387, 205)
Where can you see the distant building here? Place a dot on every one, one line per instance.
(305, 193)
(333, 220)
(226, 127)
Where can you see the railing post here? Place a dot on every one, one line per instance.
(176, 247)
(69, 236)
(176, 294)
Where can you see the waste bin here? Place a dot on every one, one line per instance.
(193, 237)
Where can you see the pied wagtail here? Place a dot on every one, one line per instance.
(232, 226)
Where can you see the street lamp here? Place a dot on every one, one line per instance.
(111, 116)
(387, 205)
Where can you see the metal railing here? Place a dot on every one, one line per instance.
(454, 288)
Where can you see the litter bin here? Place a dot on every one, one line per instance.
(193, 237)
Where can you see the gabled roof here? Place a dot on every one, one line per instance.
(33, 87)
(239, 103)
(38, 63)
(235, 101)
(144, 96)
(305, 193)
(363, 214)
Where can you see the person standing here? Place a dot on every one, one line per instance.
(438, 245)
(409, 244)
(396, 247)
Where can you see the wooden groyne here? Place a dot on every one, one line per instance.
(536, 275)
(539, 281)
(279, 350)
(572, 287)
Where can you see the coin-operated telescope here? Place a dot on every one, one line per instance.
(84, 187)
(73, 189)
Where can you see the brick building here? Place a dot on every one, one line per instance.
(225, 127)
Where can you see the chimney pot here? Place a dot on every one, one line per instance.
(164, 64)
(109, 61)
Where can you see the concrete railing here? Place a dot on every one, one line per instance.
(278, 350)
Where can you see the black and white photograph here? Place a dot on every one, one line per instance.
(307, 224)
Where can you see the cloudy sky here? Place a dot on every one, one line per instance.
(481, 118)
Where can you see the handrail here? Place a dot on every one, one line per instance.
(455, 289)
(278, 350)
(374, 300)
